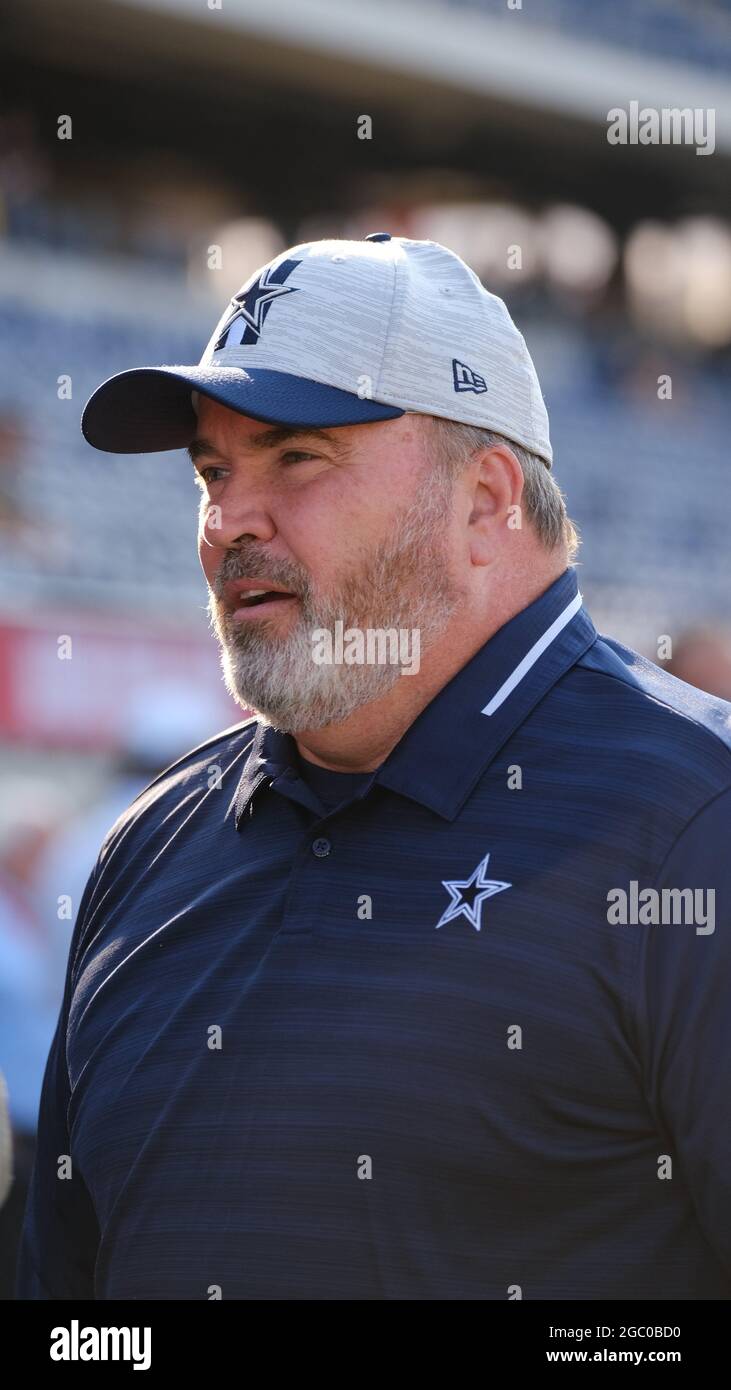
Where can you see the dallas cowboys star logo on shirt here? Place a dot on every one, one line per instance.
(251, 305)
(469, 894)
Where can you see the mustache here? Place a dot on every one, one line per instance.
(248, 565)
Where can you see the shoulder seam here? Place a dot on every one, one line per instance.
(648, 695)
(632, 1004)
(698, 812)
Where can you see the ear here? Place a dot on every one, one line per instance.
(497, 487)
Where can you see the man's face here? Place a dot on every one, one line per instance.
(348, 524)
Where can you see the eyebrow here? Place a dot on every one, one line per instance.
(266, 439)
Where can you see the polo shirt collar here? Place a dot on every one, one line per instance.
(271, 755)
(443, 754)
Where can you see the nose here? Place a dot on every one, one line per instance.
(232, 521)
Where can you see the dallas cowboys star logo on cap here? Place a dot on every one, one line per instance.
(250, 307)
(469, 894)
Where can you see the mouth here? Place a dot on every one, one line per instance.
(245, 599)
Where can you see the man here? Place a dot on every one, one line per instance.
(415, 984)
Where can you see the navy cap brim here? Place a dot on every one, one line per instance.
(149, 409)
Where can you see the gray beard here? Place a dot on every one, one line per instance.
(403, 584)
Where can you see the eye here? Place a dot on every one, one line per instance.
(296, 456)
(201, 477)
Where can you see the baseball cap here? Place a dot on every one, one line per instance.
(339, 333)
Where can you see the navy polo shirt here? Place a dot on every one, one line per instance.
(394, 1047)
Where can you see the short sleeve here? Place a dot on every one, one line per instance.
(60, 1235)
(683, 1015)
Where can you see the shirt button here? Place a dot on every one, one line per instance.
(321, 847)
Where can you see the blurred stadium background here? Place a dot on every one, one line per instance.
(196, 125)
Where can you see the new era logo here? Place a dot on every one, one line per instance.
(465, 379)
